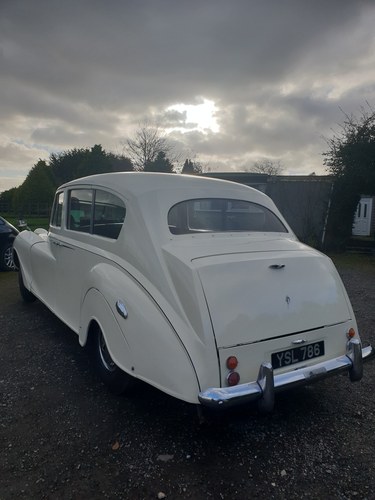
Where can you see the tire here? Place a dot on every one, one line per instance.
(26, 295)
(6, 257)
(111, 375)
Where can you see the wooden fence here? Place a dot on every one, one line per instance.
(36, 209)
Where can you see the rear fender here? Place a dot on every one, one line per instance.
(142, 342)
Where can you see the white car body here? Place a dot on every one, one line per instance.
(172, 308)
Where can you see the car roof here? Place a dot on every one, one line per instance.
(139, 183)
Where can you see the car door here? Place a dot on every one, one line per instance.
(362, 218)
(44, 257)
(93, 222)
(76, 255)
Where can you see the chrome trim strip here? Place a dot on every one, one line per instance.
(368, 352)
(268, 384)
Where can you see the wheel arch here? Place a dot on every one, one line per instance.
(92, 328)
(96, 313)
(145, 345)
(16, 258)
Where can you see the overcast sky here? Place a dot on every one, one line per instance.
(232, 81)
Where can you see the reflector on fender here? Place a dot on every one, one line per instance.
(351, 333)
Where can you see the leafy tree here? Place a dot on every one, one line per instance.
(191, 168)
(121, 164)
(38, 187)
(160, 164)
(351, 160)
(77, 163)
(65, 165)
(95, 161)
(43, 179)
(270, 167)
(6, 197)
(147, 143)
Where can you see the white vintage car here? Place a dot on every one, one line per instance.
(194, 285)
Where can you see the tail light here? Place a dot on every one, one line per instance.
(233, 377)
(232, 363)
(351, 333)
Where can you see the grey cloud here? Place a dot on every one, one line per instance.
(80, 49)
(78, 73)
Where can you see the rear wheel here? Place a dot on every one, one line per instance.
(113, 377)
(26, 295)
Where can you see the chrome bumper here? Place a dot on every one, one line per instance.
(267, 384)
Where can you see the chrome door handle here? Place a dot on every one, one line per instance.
(121, 309)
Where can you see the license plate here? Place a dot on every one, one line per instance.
(297, 354)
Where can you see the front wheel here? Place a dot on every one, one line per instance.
(113, 377)
(6, 258)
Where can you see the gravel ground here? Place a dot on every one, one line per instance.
(63, 436)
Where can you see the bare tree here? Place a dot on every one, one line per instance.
(270, 167)
(148, 141)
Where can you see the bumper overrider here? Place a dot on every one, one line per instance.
(267, 384)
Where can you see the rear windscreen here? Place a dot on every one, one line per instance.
(222, 215)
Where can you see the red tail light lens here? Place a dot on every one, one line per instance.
(233, 378)
(351, 333)
(232, 363)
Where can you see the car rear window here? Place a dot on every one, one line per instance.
(222, 215)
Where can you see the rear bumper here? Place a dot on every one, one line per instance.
(267, 384)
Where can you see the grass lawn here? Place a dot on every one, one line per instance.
(32, 222)
(354, 261)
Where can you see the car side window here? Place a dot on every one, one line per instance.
(96, 212)
(80, 210)
(109, 214)
(57, 210)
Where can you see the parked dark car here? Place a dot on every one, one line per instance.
(7, 235)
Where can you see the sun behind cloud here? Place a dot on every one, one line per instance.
(199, 117)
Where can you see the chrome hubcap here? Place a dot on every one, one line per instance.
(104, 355)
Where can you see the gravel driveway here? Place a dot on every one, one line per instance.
(63, 436)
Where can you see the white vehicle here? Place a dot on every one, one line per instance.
(194, 285)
